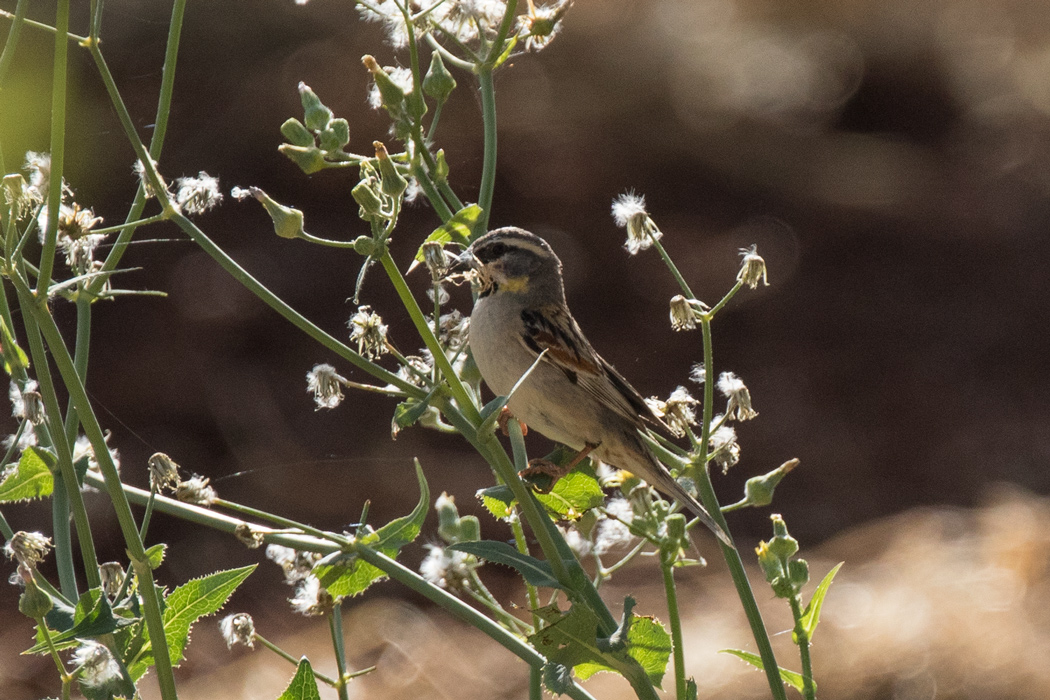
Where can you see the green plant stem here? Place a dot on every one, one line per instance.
(335, 624)
(5, 528)
(8, 54)
(535, 683)
(488, 167)
(743, 586)
(55, 434)
(135, 548)
(673, 614)
(523, 547)
(161, 118)
(286, 523)
(61, 531)
(673, 268)
(459, 392)
(58, 148)
(297, 319)
(292, 660)
(802, 639)
(462, 611)
(46, 28)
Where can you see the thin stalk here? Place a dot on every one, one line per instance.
(671, 593)
(808, 691)
(58, 149)
(335, 625)
(535, 683)
(441, 208)
(462, 611)
(62, 532)
(291, 659)
(136, 550)
(523, 548)
(488, 166)
(297, 319)
(46, 28)
(673, 268)
(459, 392)
(8, 54)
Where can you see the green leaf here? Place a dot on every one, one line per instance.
(92, 617)
(30, 479)
(155, 555)
(457, 229)
(352, 576)
(303, 685)
(535, 571)
(648, 643)
(571, 639)
(10, 349)
(498, 500)
(811, 616)
(690, 689)
(187, 604)
(575, 493)
(793, 679)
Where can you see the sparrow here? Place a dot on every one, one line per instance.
(572, 396)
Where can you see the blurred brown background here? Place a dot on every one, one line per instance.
(891, 160)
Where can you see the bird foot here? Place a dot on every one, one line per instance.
(504, 417)
(543, 474)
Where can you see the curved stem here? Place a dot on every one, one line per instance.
(488, 167)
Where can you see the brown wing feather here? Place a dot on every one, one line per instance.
(551, 328)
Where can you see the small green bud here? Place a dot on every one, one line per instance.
(758, 491)
(798, 573)
(315, 114)
(675, 527)
(296, 133)
(448, 518)
(34, 602)
(364, 245)
(469, 528)
(336, 135)
(416, 105)
(438, 82)
(390, 92)
(770, 563)
(309, 159)
(441, 171)
(783, 546)
(287, 221)
(367, 198)
(394, 184)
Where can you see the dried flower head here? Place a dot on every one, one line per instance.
(140, 172)
(368, 329)
(677, 411)
(447, 568)
(725, 450)
(311, 599)
(613, 530)
(698, 373)
(296, 565)
(95, 664)
(250, 537)
(542, 24)
(196, 195)
(163, 472)
(238, 628)
(38, 167)
(196, 490)
(629, 212)
(112, 575)
(28, 548)
(752, 268)
(437, 259)
(739, 398)
(326, 386)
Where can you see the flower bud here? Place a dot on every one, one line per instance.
(365, 196)
(394, 184)
(441, 169)
(309, 159)
(34, 407)
(438, 82)
(163, 471)
(390, 93)
(315, 114)
(448, 517)
(296, 133)
(287, 221)
(798, 573)
(758, 490)
(112, 575)
(34, 602)
(783, 546)
(335, 135)
(364, 245)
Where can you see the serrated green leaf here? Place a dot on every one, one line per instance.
(187, 604)
(155, 555)
(795, 680)
(350, 578)
(303, 685)
(457, 229)
(811, 616)
(535, 571)
(574, 494)
(92, 617)
(30, 478)
(648, 643)
(498, 500)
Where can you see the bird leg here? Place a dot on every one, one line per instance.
(504, 417)
(540, 467)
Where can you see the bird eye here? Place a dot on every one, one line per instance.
(494, 251)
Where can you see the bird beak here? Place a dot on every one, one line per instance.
(463, 262)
